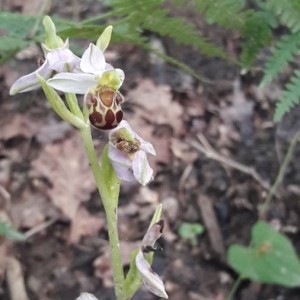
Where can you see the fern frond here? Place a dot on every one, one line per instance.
(289, 98)
(14, 28)
(282, 54)
(151, 15)
(226, 13)
(288, 12)
(256, 34)
(182, 33)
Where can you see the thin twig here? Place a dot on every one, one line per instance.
(209, 151)
(15, 280)
(40, 15)
(39, 228)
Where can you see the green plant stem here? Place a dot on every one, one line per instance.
(108, 194)
(280, 176)
(73, 105)
(111, 213)
(234, 288)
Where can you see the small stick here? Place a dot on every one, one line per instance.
(15, 280)
(211, 224)
(209, 151)
(39, 228)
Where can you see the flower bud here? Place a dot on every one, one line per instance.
(151, 280)
(104, 38)
(52, 41)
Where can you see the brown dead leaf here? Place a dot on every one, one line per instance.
(65, 165)
(183, 151)
(156, 106)
(18, 125)
(53, 131)
(103, 269)
(84, 224)
(32, 210)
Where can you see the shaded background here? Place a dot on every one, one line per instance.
(47, 190)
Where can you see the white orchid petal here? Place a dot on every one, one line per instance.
(108, 67)
(147, 147)
(141, 169)
(93, 60)
(150, 278)
(121, 164)
(29, 82)
(63, 60)
(77, 83)
(121, 76)
(86, 296)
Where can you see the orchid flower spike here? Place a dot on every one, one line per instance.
(128, 154)
(95, 72)
(151, 280)
(58, 58)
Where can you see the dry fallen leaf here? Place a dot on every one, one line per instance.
(156, 106)
(18, 125)
(156, 117)
(84, 224)
(52, 131)
(183, 151)
(65, 165)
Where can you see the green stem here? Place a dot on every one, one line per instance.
(110, 209)
(234, 288)
(281, 173)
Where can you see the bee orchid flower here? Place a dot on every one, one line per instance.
(95, 72)
(58, 58)
(99, 82)
(128, 154)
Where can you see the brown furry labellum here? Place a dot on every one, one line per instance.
(104, 106)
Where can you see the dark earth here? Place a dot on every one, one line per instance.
(48, 194)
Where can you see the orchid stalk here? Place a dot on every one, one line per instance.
(124, 158)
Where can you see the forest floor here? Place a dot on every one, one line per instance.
(209, 139)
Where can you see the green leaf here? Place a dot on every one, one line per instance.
(59, 106)
(7, 231)
(133, 279)
(190, 231)
(288, 12)
(227, 13)
(270, 259)
(15, 28)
